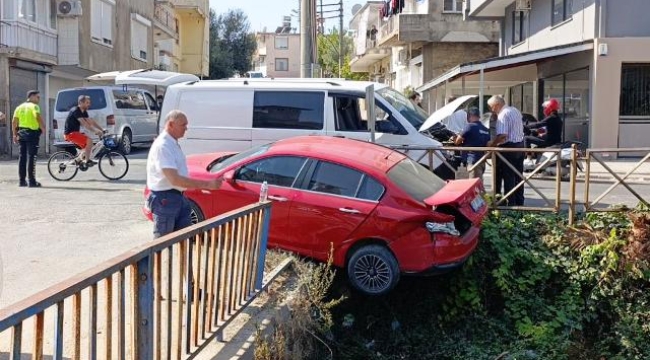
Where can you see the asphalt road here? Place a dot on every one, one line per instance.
(49, 234)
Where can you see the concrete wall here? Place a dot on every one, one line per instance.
(626, 18)
(101, 58)
(440, 57)
(606, 93)
(292, 53)
(541, 34)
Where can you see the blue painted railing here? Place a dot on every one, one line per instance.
(172, 296)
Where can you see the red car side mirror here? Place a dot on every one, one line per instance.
(229, 177)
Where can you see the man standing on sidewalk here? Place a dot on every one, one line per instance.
(167, 178)
(509, 134)
(28, 127)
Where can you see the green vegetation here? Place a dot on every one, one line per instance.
(536, 288)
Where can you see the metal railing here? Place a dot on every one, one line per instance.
(166, 299)
(166, 18)
(492, 155)
(15, 33)
(620, 179)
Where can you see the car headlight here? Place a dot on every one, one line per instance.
(446, 228)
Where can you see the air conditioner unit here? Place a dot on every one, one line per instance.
(65, 8)
(523, 5)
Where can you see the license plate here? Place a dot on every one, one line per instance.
(477, 203)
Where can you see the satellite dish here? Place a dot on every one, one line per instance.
(356, 8)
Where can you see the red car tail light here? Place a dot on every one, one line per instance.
(110, 120)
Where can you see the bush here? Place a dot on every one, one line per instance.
(536, 288)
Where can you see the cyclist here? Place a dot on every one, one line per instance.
(77, 117)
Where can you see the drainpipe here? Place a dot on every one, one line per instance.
(480, 90)
(602, 18)
(47, 120)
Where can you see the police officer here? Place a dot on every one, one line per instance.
(28, 127)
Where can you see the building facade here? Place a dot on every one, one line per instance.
(50, 47)
(277, 54)
(409, 46)
(592, 55)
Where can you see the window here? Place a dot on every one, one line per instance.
(139, 37)
(129, 100)
(226, 161)
(102, 21)
(635, 90)
(335, 179)
(281, 42)
(453, 6)
(68, 99)
(562, 10)
(288, 110)
(351, 114)
(27, 10)
(281, 64)
(278, 171)
(519, 25)
(151, 103)
(415, 179)
(370, 189)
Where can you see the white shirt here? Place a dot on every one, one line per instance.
(165, 153)
(509, 123)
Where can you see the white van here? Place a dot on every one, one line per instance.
(237, 114)
(130, 113)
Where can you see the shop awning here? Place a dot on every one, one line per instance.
(505, 62)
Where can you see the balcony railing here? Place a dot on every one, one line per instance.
(18, 34)
(201, 5)
(166, 18)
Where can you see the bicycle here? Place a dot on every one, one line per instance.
(64, 164)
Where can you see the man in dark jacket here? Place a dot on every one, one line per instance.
(553, 124)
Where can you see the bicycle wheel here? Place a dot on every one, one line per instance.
(62, 166)
(113, 165)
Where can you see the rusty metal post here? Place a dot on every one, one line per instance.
(587, 178)
(558, 181)
(494, 177)
(572, 184)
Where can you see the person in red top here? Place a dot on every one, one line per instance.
(77, 117)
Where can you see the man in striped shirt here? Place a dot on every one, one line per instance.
(509, 134)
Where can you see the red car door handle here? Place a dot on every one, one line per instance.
(277, 198)
(349, 211)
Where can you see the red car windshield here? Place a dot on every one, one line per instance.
(226, 161)
(415, 179)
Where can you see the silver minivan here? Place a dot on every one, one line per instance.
(130, 113)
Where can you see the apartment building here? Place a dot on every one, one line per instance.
(278, 53)
(182, 36)
(408, 46)
(591, 55)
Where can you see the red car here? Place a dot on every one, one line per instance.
(383, 213)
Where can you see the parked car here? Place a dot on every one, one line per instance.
(381, 212)
(128, 112)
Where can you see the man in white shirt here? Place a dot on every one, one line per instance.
(509, 134)
(167, 178)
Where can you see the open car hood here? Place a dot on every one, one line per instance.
(144, 77)
(446, 111)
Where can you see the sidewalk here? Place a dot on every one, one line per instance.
(620, 167)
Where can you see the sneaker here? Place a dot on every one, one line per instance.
(22, 183)
(34, 184)
(90, 163)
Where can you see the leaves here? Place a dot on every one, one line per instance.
(232, 44)
(328, 56)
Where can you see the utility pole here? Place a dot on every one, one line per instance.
(307, 33)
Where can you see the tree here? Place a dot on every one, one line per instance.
(232, 44)
(328, 56)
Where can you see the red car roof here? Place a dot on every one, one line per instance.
(360, 154)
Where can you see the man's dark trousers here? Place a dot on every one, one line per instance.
(28, 144)
(510, 178)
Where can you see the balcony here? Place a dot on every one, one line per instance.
(192, 7)
(165, 20)
(367, 53)
(488, 8)
(417, 29)
(29, 41)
